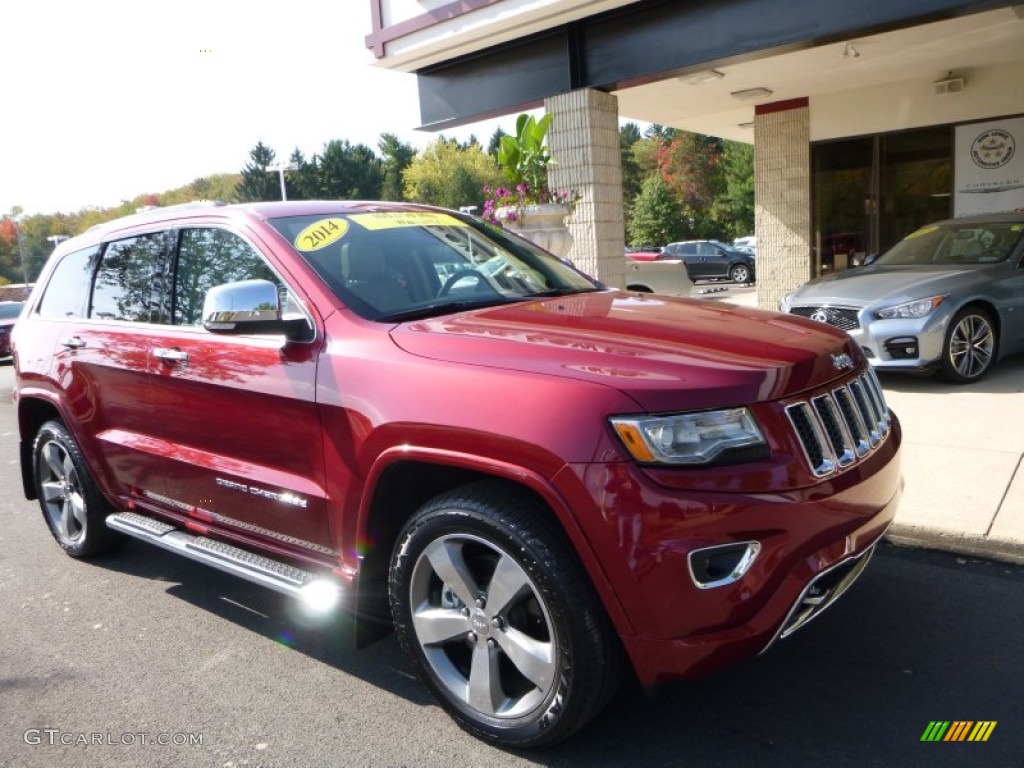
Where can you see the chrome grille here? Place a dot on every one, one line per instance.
(837, 427)
(840, 317)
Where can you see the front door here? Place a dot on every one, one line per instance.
(235, 419)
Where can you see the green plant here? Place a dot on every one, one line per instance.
(524, 160)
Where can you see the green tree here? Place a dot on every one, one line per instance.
(302, 183)
(347, 172)
(397, 157)
(495, 142)
(257, 183)
(657, 218)
(449, 175)
(738, 203)
(632, 175)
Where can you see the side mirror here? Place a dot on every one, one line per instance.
(248, 307)
(871, 258)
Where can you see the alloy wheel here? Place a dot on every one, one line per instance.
(483, 626)
(63, 499)
(971, 346)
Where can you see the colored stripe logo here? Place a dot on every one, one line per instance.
(959, 730)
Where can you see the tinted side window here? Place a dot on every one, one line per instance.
(131, 281)
(67, 293)
(690, 249)
(211, 257)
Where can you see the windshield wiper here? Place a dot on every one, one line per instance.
(444, 307)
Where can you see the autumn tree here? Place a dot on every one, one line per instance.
(690, 165)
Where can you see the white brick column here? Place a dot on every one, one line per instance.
(782, 196)
(584, 142)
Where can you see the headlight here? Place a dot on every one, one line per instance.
(687, 438)
(911, 309)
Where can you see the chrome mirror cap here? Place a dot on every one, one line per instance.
(248, 306)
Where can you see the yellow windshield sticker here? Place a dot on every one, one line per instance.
(395, 219)
(320, 234)
(921, 231)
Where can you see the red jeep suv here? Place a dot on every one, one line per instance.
(423, 419)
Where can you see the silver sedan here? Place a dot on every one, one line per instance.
(948, 297)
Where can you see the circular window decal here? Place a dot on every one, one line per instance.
(993, 149)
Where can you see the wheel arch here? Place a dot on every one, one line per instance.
(991, 310)
(399, 485)
(33, 412)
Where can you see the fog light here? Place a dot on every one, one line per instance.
(725, 564)
(903, 348)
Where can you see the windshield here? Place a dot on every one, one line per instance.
(955, 243)
(394, 265)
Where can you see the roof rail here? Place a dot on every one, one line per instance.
(153, 211)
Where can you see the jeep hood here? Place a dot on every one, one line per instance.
(667, 354)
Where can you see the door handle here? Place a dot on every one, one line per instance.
(75, 342)
(171, 355)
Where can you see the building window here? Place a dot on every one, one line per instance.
(870, 192)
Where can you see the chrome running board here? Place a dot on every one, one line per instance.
(258, 569)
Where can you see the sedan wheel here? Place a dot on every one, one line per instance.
(493, 607)
(970, 347)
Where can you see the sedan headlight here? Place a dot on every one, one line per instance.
(910, 309)
(687, 438)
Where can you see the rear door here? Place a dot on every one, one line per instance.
(101, 354)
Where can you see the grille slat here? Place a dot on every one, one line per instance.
(838, 317)
(838, 427)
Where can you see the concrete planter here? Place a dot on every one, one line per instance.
(543, 225)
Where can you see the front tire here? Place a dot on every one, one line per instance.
(72, 506)
(493, 607)
(970, 347)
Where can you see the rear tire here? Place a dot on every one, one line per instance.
(72, 506)
(970, 347)
(493, 607)
(740, 273)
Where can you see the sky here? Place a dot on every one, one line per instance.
(104, 100)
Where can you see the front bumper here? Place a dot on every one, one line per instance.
(893, 345)
(814, 539)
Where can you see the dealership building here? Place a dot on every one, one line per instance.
(868, 118)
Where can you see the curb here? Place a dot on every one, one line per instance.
(978, 546)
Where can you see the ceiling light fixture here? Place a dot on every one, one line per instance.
(850, 51)
(951, 83)
(699, 78)
(750, 94)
